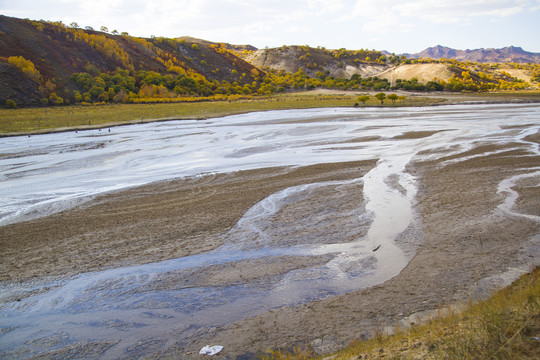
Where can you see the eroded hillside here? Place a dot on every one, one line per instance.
(337, 63)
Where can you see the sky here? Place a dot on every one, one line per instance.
(407, 26)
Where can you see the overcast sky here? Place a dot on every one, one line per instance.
(392, 25)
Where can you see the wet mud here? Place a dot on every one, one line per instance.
(439, 206)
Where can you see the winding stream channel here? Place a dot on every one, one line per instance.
(45, 174)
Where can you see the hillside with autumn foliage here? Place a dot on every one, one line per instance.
(49, 63)
(45, 63)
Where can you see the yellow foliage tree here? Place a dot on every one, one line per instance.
(26, 66)
(146, 91)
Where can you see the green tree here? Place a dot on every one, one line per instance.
(84, 81)
(393, 97)
(95, 91)
(381, 97)
(11, 104)
(363, 99)
(77, 96)
(111, 93)
(55, 99)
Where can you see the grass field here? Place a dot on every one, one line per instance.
(60, 118)
(38, 120)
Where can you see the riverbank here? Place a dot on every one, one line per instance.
(14, 122)
(29, 121)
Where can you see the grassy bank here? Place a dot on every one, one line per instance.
(50, 119)
(505, 326)
(36, 120)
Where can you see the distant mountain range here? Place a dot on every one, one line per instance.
(506, 54)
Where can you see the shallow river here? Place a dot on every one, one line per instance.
(41, 175)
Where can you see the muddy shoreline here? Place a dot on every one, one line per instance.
(466, 238)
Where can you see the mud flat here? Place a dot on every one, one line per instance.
(147, 224)
(468, 241)
(435, 213)
(85, 262)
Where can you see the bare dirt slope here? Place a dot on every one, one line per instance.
(521, 74)
(313, 60)
(423, 72)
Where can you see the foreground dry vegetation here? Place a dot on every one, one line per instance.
(505, 326)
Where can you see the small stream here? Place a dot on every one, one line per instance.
(353, 246)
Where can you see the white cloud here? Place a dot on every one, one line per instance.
(437, 11)
(276, 22)
(459, 10)
(215, 18)
(298, 29)
(386, 25)
(179, 17)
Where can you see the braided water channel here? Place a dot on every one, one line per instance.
(331, 237)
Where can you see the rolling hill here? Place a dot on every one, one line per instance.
(46, 63)
(56, 52)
